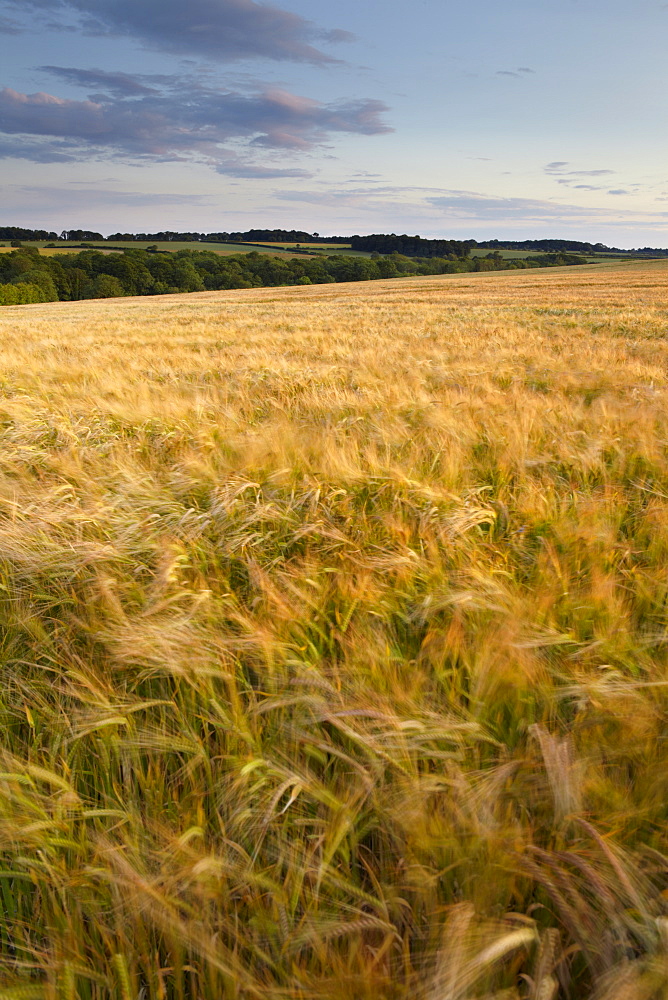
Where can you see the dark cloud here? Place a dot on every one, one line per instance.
(121, 84)
(619, 191)
(182, 121)
(8, 26)
(337, 35)
(221, 30)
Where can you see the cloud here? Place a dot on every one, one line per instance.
(333, 199)
(8, 26)
(559, 167)
(221, 30)
(470, 205)
(459, 209)
(235, 167)
(121, 84)
(520, 71)
(176, 122)
(23, 148)
(619, 191)
(65, 198)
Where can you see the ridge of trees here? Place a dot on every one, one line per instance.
(411, 246)
(555, 245)
(249, 236)
(16, 233)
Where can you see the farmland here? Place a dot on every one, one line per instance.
(335, 641)
(171, 246)
(277, 249)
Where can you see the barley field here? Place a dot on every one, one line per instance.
(335, 642)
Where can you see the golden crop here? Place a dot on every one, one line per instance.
(334, 642)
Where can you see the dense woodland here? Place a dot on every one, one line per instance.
(26, 276)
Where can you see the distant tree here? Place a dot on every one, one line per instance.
(80, 234)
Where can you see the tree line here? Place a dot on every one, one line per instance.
(26, 277)
(411, 246)
(572, 246)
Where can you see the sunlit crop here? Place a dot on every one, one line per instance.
(334, 642)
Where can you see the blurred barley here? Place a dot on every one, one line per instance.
(333, 636)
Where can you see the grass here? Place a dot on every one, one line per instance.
(506, 254)
(334, 649)
(522, 254)
(321, 249)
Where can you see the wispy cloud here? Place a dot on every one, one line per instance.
(65, 198)
(558, 169)
(439, 210)
(234, 166)
(477, 207)
(579, 187)
(517, 73)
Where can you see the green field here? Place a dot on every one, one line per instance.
(522, 254)
(278, 250)
(328, 249)
(506, 254)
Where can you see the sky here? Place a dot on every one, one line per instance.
(512, 120)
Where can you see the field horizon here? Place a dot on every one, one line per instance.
(335, 641)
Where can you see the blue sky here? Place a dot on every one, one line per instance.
(517, 119)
